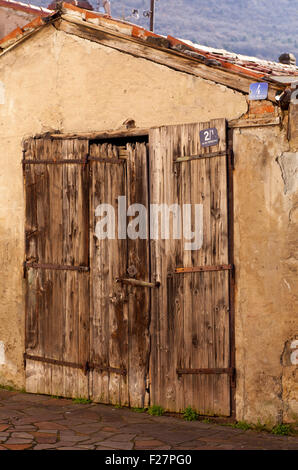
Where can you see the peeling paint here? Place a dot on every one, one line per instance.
(294, 354)
(290, 353)
(2, 353)
(288, 163)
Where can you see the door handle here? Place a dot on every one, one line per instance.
(137, 283)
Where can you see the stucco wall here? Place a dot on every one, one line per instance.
(266, 275)
(69, 84)
(11, 19)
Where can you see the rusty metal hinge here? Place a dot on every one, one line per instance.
(115, 370)
(53, 162)
(59, 267)
(194, 269)
(200, 156)
(209, 371)
(85, 367)
(82, 161)
(56, 362)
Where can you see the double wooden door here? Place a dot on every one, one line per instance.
(115, 310)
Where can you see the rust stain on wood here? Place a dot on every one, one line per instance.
(223, 267)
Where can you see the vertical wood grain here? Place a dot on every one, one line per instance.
(190, 312)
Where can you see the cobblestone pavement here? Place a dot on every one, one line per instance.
(41, 422)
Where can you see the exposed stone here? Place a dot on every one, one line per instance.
(109, 444)
(110, 429)
(45, 446)
(18, 441)
(46, 425)
(18, 446)
(50, 425)
(3, 427)
(148, 444)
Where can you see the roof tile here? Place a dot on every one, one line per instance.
(26, 7)
(255, 68)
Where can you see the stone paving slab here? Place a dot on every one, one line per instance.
(40, 422)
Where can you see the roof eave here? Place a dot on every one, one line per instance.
(168, 57)
(136, 41)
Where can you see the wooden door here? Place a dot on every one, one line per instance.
(190, 362)
(119, 334)
(56, 267)
(97, 324)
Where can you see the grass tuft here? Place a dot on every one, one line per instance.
(156, 410)
(81, 401)
(190, 414)
(282, 429)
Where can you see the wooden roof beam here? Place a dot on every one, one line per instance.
(167, 57)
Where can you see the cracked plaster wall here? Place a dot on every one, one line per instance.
(266, 226)
(55, 81)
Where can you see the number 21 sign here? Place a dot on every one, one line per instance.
(209, 137)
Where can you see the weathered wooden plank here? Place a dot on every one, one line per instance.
(169, 57)
(190, 318)
(57, 301)
(165, 254)
(257, 122)
(138, 261)
(108, 340)
(102, 136)
(99, 321)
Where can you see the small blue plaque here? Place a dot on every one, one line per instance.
(258, 91)
(209, 137)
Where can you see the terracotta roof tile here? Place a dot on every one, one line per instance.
(18, 33)
(26, 7)
(250, 66)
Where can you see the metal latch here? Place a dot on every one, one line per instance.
(137, 283)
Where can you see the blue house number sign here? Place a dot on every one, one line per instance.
(209, 137)
(258, 91)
